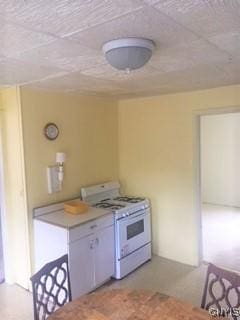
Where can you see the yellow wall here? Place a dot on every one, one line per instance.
(88, 134)
(158, 159)
(13, 207)
(149, 143)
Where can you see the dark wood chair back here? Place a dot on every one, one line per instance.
(51, 288)
(222, 292)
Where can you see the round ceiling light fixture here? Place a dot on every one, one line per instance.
(128, 53)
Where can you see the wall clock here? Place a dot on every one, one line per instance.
(51, 131)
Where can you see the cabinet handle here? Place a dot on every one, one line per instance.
(93, 226)
(97, 241)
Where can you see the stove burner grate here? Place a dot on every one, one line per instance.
(130, 199)
(106, 205)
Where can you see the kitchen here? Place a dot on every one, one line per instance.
(111, 238)
(94, 121)
(41, 154)
(147, 143)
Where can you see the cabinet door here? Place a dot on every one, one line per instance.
(104, 254)
(81, 260)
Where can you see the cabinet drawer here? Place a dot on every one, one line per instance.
(104, 222)
(90, 227)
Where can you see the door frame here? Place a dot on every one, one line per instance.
(3, 232)
(197, 168)
(11, 115)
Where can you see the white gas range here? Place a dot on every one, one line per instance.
(132, 224)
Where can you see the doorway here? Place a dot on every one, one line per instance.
(220, 188)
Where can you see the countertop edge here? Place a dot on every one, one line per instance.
(69, 227)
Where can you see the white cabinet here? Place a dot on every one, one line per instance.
(90, 247)
(91, 260)
(104, 255)
(81, 263)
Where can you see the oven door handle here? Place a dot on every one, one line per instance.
(133, 216)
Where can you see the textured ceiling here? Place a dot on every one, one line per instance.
(56, 45)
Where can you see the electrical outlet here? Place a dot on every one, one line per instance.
(54, 184)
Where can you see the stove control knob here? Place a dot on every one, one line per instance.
(127, 214)
(123, 215)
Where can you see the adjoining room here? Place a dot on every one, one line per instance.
(220, 158)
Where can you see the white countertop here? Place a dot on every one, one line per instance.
(68, 220)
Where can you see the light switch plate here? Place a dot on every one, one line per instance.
(52, 179)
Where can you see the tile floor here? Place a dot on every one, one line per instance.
(15, 303)
(221, 236)
(169, 277)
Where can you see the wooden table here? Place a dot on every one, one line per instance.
(127, 304)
